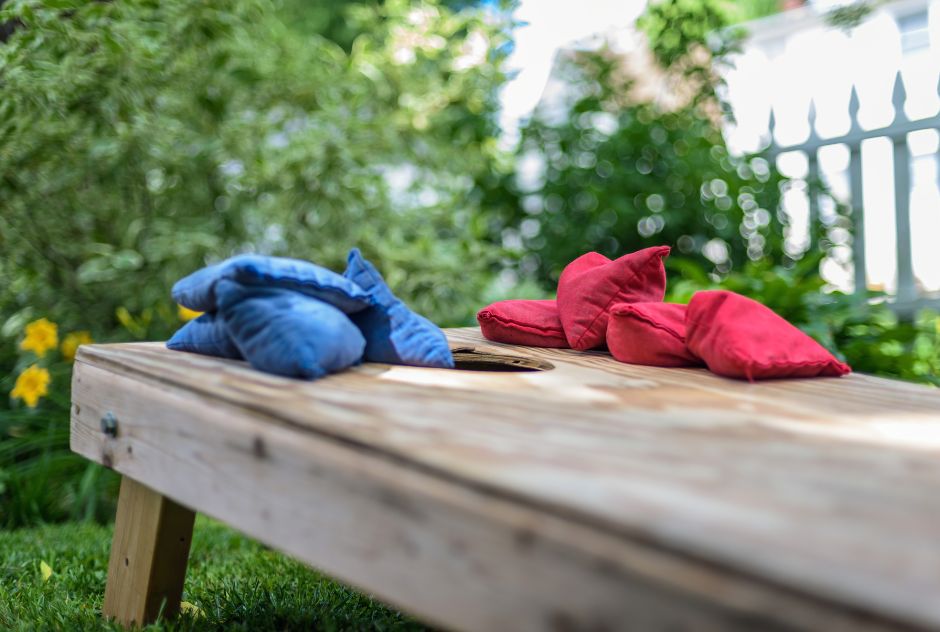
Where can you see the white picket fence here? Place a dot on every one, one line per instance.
(908, 298)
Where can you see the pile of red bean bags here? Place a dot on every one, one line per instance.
(618, 305)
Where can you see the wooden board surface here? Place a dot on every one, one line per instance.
(802, 498)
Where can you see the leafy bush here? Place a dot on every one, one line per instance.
(616, 172)
(140, 139)
(618, 176)
(692, 39)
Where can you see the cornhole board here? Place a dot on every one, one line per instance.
(581, 494)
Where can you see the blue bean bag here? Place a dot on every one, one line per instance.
(206, 335)
(288, 333)
(198, 290)
(394, 334)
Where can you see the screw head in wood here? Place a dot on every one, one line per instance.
(109, 424)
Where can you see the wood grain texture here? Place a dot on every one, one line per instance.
(818, 499)
(149, 552)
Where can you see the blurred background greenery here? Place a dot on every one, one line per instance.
(141, 139)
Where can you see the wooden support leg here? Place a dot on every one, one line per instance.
(148, 556)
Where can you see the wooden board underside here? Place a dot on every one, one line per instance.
(790, 483)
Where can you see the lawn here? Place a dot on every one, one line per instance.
(236, 584)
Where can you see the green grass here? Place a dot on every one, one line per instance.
(237, 583)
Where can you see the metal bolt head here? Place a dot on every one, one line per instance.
(109, 424)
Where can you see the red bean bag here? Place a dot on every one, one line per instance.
(520, 322)
(591, 284)
(649, 333)
(738, 337)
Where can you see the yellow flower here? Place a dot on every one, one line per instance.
(31, 384)
(187, 314)
(72, 342)
(41, 335)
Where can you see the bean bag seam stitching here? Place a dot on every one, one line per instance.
(653, 323)
(509, 321)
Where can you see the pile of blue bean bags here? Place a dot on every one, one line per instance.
(295, 318)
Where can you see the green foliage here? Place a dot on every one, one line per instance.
(849, 16)
(692, 37)
(616, 176)
(695, 20)
(326, 18)
(40, 479)
(140, 139)
(236, 583)
(746, 10)
(332, 18)
(876, 341)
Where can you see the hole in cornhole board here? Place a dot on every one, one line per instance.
(470, 359)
